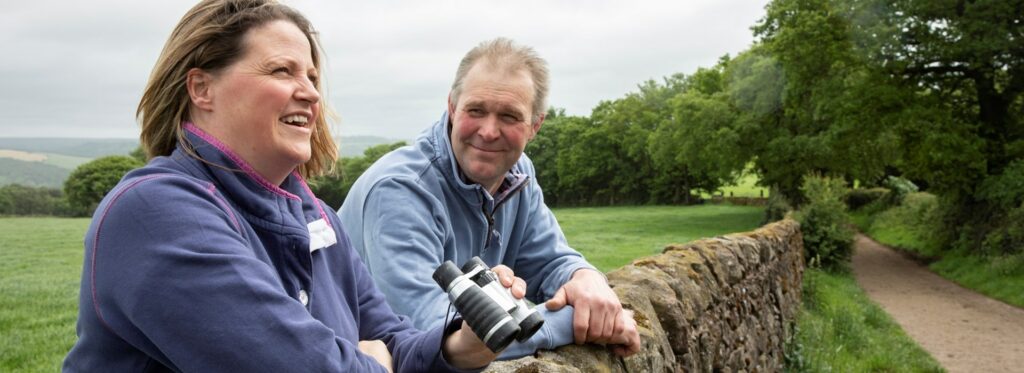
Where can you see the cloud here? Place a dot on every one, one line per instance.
(78, 69)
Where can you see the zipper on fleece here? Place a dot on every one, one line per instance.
(489, 216)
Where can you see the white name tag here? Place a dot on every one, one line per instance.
(320, 235)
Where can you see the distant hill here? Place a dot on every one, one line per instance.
(13, 171)
(48, 161)
(86, 148)
(352, 146)
(95, 148)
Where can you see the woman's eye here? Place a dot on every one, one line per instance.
(281, 70)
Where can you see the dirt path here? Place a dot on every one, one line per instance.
(965, 331)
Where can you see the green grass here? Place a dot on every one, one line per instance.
(746, 186)
(840, 330)
(613, 236)
(41, 263)
(1000, 277)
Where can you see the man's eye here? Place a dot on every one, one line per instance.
(475, 112)
(509, 118)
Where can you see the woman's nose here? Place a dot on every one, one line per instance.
(308, 92)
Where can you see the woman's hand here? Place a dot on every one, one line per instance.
(378, 351)
(464, 350)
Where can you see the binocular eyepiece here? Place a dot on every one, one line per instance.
(486, 305)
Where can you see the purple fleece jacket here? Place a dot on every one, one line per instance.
(203, 266)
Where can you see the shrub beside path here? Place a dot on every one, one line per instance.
(965, 331)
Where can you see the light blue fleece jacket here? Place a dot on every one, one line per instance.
(411, 211)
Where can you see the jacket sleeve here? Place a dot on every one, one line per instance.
(543, 258)
(404, 237)
(411, 349)
(172, 274)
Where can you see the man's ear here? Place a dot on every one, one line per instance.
(198, 84)
(451, 106)
(536, 125)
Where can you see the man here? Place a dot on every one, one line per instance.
(465, 189)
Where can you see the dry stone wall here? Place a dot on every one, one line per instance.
(724, 304)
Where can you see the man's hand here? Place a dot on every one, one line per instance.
(378, 351)
(599, 317)
(509, 280)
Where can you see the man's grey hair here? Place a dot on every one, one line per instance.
(505, 54)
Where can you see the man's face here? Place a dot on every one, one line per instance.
(491, 123)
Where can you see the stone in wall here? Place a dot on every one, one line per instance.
(723, 304)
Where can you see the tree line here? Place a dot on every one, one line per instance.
(855, 90)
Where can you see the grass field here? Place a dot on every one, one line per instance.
(41, 262)
(613, 236)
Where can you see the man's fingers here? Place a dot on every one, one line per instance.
(505, 274)
(596, 331)
(580, 324)
(609, 324)
(558, 301)
(620, 322)
(518, 288)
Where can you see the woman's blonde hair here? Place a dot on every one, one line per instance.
(211, 37)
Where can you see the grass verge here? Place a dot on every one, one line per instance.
(610, 237)
(841, 330)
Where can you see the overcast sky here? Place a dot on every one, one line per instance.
(77, 68)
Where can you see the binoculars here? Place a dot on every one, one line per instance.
(486, 305)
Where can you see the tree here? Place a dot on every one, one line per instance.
(87, 184)
(333, 188)
(835, 108)
(964, 61)
(16, 199)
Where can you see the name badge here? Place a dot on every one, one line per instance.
(320, 235)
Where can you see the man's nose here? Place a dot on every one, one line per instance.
(490, 129)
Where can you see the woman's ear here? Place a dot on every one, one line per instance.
(198, 84)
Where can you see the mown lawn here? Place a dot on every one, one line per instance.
(41, 261)
(611, 237)
(41, 265)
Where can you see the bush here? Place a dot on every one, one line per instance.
(898, 189)
(861, 197)
(912, 225)
(825, 224)
(87, 184)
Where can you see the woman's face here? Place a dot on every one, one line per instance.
(265, 105)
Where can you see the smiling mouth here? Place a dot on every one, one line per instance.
(295, 120)
(485, 149)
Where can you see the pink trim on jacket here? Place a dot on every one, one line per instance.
(189, 126)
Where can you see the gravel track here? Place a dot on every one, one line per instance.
(965, 331)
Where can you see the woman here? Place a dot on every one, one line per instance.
(216, 256)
